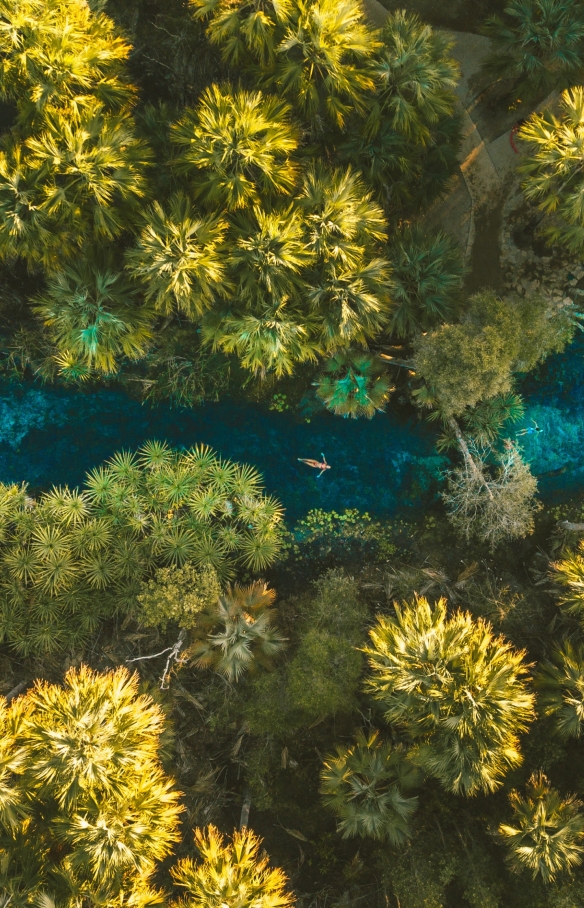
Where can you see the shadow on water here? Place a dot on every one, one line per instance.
(51, 436)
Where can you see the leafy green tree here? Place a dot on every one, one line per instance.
(246, 30)
(474, 360)
(58, 55)
(569, 574)
(456, 689)
(322, 61)
(354, 384)
(415, 78)
(90, 811)
(230, 873)
(178, 594)
(236, 147)
(72, 557)
(365, 784)
(553, 169)
(561, 682)
(427, 274)
(237, 631)
(537, 46)
(93, 317)
(547, 831)
(179, 258)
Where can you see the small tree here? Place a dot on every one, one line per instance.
(238, 633)
(456, 689)
(354, 384)
(230, 873)
(569, 573)
(365, 785)
(547, 833)
(427, 274)
(537, 46)
(178, 594)
(561, 682)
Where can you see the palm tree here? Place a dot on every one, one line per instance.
(61, 56)
(356, 384)
(101, 812)
(553, 170)
(179, 258)
(569, 574)
(364, 786)
(249, 29)
(456, 689)
(321, 62)
(350, 304)
(415, 78)
(230, 873)
(547, 835)
(92, 314)
(341, 217)
(537, 46)
(427, 275)
(92, 170)
(237, 147)
(239, 631)
(272, 337)
(561, 682)
(269, 255)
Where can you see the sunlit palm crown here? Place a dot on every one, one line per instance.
(456, 689)
(561, 681)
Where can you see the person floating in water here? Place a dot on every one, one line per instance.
(531, 430)
(316, 464)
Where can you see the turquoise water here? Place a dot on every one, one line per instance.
(52, 436)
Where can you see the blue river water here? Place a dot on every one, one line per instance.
(51, 436)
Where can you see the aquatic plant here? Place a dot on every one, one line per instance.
(365, 784)
(457, 690)
(236, 632)
(356, 384)
(546, 835)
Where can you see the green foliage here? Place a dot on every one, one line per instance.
(237, 632)
(561, 681)
(177, 594)
(474, 360)
(230, 873)
(547, 835)
(69, 558)
(553, 168)
(364, 785)
(426, 280)
(93, 317)
(179, 259)
(537, 45)
(569, 574)
(322, 677)
(357, 385)
(93, 812)
(248, 30)
(324, 533)
(236, 147)
(456, 689)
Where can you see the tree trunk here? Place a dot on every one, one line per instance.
(468, 458)
(573, 527)
(245, 808)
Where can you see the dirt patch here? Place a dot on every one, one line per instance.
(460, 15)
(485, 266)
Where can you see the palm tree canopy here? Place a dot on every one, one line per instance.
(561, 682)
(455, 688)
(236, 146)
